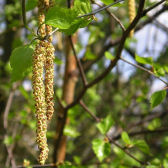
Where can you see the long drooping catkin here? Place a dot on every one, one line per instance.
(40, 104)
(49, 71)
(39, 57)
(49, 76)
(132, 13)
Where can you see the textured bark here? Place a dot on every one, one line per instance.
(70, 78)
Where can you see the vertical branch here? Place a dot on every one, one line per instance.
(82, 74)
(70, 79)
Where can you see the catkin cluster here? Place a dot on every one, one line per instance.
(43, 57)
(132, 13)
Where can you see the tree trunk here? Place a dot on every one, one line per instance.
(70, 79)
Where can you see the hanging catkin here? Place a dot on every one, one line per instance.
(49, 71)
(132, 13)
(39, 89)
(40, 104)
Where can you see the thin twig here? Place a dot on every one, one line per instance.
(112, 15)
(82, 74)
(8, 105)
(101, 9)
(142, 132)
(24, 14)
(125, 150)
(151, 18)
(5, 124)
(144, 69)
(89, 112)
(152, 7)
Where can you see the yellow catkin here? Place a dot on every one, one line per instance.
(40, 104)
(49, 80)
(49, 70)
(132, 13)
(39, 57)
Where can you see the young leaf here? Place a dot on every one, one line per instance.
(71, 131)
(61, 18)
(75, 25)
(57, 61)
(21, 61)
(159, 70)
(89, 55)
(155, 123)
(108, 55)
(142, 145)
(157, 98)
(82, 6)
(144, 60)
(101, 148)
(126, 138)
(31, 4)
(105, 124)
(65, 19)
(8, 140)
(107, 2)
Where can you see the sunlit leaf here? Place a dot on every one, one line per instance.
(126, 138)
(21, 61)
(71, 131)
(108, 55)
(105, 124)
(142, 145)
(155, 123)
(101, 148)
(157, 98)
(144, 60)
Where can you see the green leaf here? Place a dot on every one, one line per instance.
(108, 55)
(21, 61)
(144, 60)
(31, 4)
(82, 6)
(66, 19)
(152, 166)
(61, 18)
(165, 163)
(50, 134)
(157, 98)
(107, 2)
(8, 140)
(101, 148)
(89, 55)
(105, 124)
(159, 70)
(126, 138)
(155, 123)
(71, 131)
(57, 61)
(142, 145)
(78, 23)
